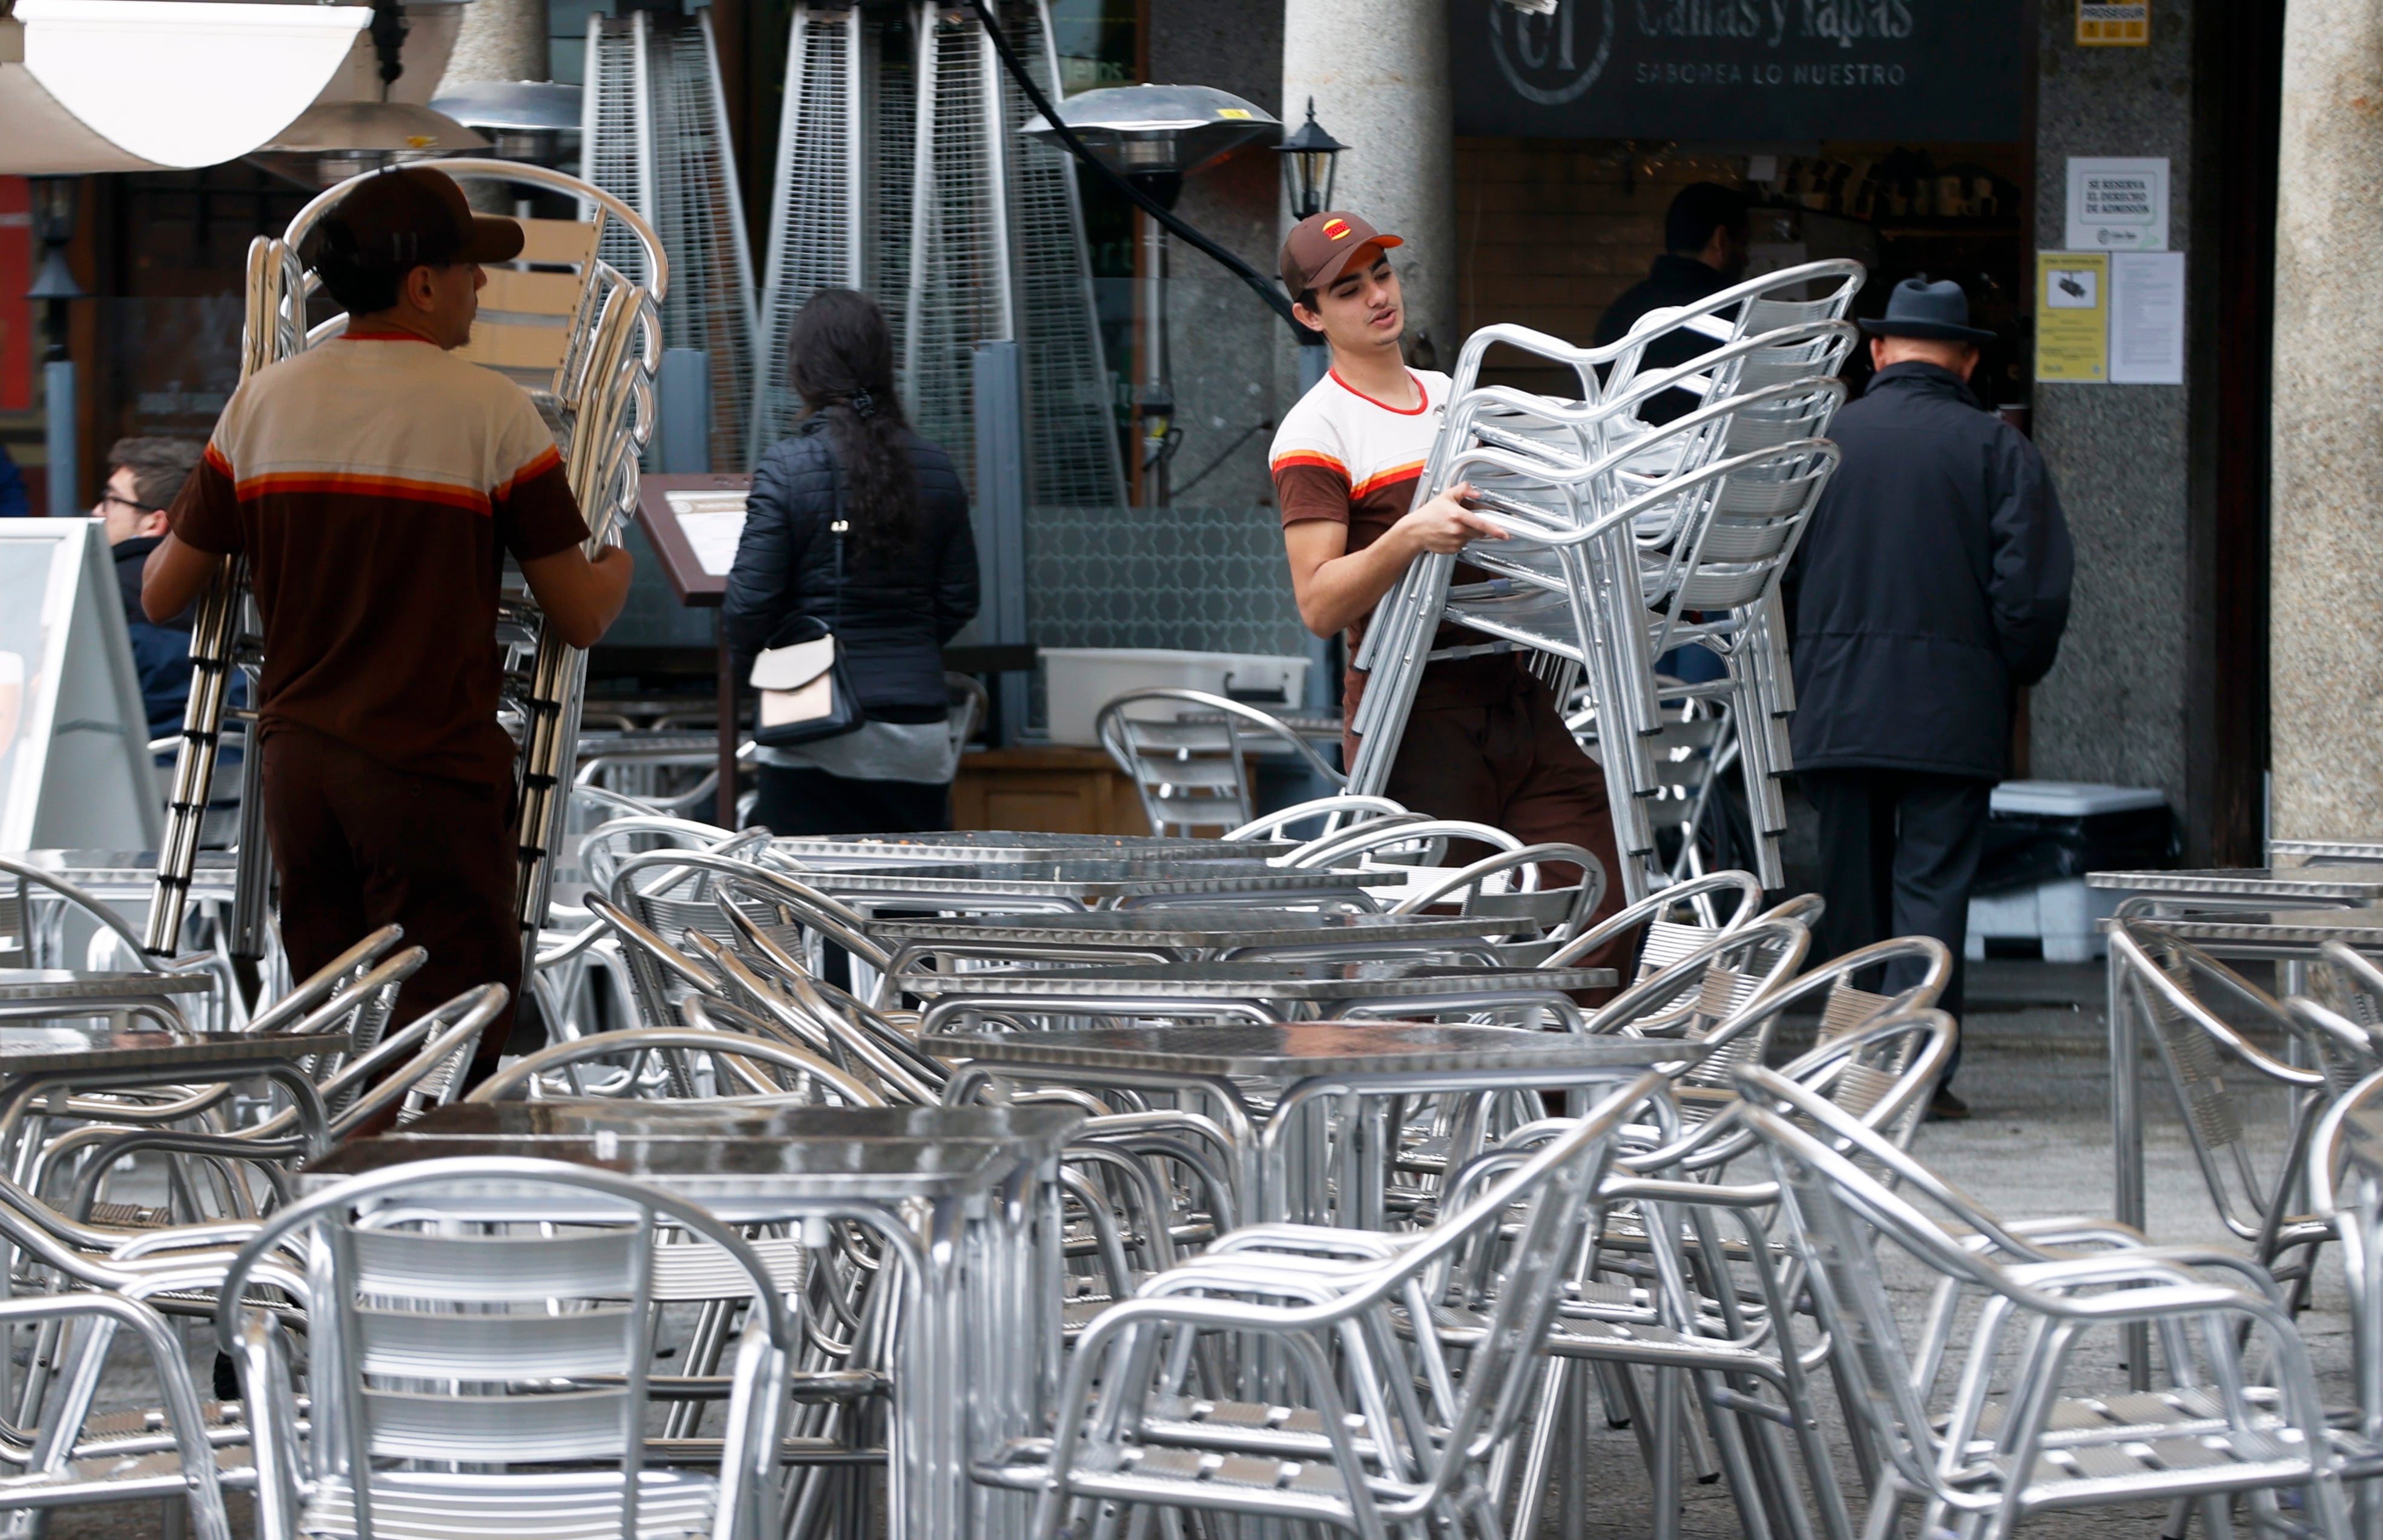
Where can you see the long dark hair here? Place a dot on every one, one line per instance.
(840, 357)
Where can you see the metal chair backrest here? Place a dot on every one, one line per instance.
(456, 1272)
(1707, 985)
(1339, 811)
(1188, 754)
(2178, 986)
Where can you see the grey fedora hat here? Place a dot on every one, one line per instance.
(1918, 308)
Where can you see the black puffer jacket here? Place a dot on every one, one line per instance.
(893, 622)
(1932, 582)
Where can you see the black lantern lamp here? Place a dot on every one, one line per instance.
(54, 225)
(1309, 159)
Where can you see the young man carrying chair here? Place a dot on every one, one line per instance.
(1486, 742)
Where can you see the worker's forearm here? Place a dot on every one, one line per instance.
(1344, 590)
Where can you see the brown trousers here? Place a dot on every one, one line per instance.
(360, 845)
(1510, 762)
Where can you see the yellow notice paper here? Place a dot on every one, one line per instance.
(2072, 316)
(2114, 23)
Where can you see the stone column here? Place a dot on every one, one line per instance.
(1378, 71)
(2325, 625)
(501, 39)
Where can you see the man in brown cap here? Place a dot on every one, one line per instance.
(375, 483)
(1485, 741)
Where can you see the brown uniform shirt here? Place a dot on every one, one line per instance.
(1343, 456)
(375, 483)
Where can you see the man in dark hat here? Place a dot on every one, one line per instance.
(375, 483)
(1930, 587)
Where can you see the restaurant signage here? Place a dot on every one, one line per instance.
(1736, 70)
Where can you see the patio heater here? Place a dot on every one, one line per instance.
(1154, 136)
(655, 135)
(1310, 163)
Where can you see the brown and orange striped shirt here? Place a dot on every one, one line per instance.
(376, 484)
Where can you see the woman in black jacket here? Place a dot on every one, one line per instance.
(909, 581)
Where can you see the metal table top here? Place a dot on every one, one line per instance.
(715, 1154)
(118, 876)
(2297, 932)
(1188, 926)
(1088, 883)
(1299, 1050)
(2357, 851)
(60, 1047)
(17, 984)
(2358, 884)
(1006, 844)
(1391, 979)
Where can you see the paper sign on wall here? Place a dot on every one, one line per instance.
(2118, 203)
(2072, 316)
(2147, 318)
(2114, 23)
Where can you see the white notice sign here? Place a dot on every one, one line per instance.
(711, 522)
(2147, 318)
(2118, 203)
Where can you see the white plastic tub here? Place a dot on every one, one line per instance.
(1082, 680)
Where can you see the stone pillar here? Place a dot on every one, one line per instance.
(501, 39)
(1378, 71)
(2326, 630)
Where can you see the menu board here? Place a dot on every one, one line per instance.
(75, 771)
(694, 521)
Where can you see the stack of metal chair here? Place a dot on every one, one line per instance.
(1628, 538)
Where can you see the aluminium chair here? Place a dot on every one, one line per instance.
(480, 1361)
(1977, 1418)
(1192, 755)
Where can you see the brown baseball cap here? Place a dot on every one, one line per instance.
(1319, 246)
(412, 216)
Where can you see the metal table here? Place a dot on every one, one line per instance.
(1259, 990)
(130, 877)
(1282, 1168)
(972, 885)
(975, 1190)
(21, 984)
(2237, 892)
(2347, 884)
(1007, 845)
(1188, 931)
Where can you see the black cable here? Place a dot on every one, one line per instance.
(1266, 288)
(1231, 450)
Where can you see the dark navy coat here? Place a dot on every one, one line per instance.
(894, 620)
(1931, 583)
(161, 653)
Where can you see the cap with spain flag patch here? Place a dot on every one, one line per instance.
(1320, 246)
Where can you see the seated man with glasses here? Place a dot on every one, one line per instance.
(143, 476)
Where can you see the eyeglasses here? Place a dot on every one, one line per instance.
(106, 497)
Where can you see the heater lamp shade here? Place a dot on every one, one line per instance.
(1158, 130)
